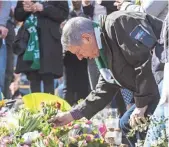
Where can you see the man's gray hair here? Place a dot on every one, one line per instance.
(73, 29)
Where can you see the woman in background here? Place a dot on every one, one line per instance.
(42, 20)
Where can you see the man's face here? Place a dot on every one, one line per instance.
(87, 49)
(76, 4)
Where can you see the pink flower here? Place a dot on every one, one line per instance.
(76, 126)
(42, 135)
(89, 138)
(89, 122)
(102, 130)
(70, 124)
(7, 140)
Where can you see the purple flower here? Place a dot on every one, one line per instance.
(97, 136)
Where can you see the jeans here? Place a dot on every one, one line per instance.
(160, 87)
(3, 59)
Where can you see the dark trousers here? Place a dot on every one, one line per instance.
(124, 124)
(76, 83)
(35, 82)
(10, 59)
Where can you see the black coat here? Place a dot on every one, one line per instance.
(129, 62)
(49, 21)
(109, 6)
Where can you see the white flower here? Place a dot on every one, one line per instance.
(163, 134)
(11, 121)
(30, 137)
(154, 143)
(160, 141)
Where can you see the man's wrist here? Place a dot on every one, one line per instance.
(69, 116)
(76, 114)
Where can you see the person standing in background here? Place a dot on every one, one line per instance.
(5, 7)
(76, 84)
(47, 16)
(109, 5)
(11, 24)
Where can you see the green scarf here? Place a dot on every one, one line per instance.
(32, 52)
(101, 61)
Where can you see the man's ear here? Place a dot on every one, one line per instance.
(86, 38)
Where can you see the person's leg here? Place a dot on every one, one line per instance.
(48, 82)
(9, 71)
(10, 59)
(70, 62)
(68, 85)
(82, 80)
(35, 81)
(125, 127)
(60, 90)
(2, 66)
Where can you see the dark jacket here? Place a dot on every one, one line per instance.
(49, 21)
(130, 62)
(109, 6)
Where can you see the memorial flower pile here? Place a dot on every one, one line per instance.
(31, 129)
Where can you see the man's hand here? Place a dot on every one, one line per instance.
(118, 3)
(27, 6)
(37, 7)
(137, 117)
(61, 119)
(3, 32)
